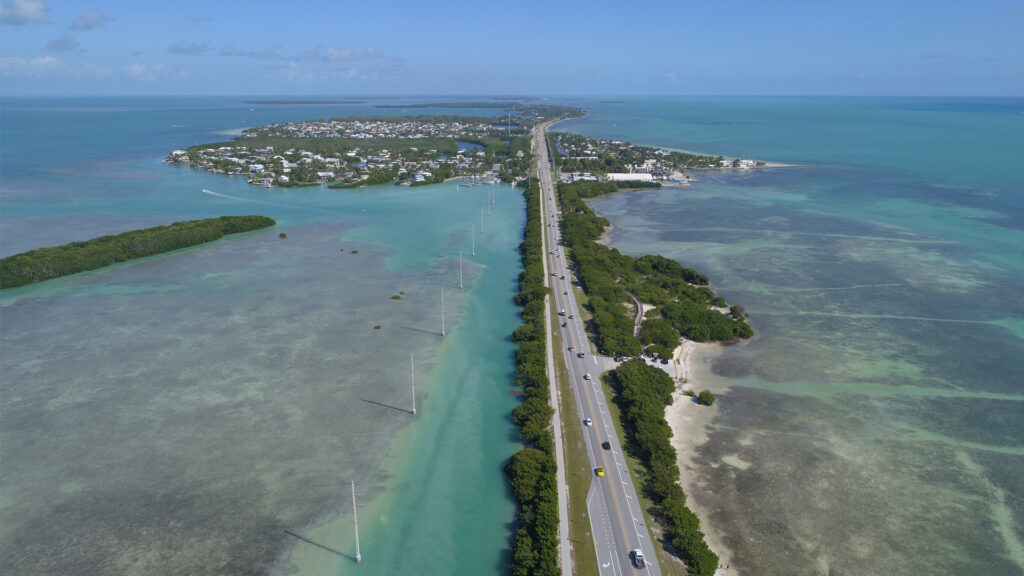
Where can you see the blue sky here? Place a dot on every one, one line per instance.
(552, 47)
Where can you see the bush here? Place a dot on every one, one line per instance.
(705, 398)
(642, 393)
(282, 235)
(681, 294)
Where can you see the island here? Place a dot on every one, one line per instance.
(356, 151)
(56, 261)
(595, 159)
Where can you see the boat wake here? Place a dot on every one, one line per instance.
(240, 199)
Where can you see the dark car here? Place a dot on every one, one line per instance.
(638, 558)
(606, 445)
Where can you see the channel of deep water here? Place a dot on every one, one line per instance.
(446, 507)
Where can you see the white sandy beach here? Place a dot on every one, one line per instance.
(689, 421)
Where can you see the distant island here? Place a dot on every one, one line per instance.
(354, 151)
(503, 105)
(582, 158)
(53, 262)
(310, 102)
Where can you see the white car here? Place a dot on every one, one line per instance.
(588, 422)
(586, 376)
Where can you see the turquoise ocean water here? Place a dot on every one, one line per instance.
(177, 415)
(875, 425)
(194, 413)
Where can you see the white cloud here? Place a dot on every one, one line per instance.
(90, 20)
(38, 67)
(62, 44)
(23, 11)
(189, 48)
(144, 72)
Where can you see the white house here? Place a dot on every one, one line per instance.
(625, 176)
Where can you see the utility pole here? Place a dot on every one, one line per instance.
(355, 519)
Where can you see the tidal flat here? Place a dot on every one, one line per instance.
(872, 425)
(177, 415)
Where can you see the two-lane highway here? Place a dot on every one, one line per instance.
(616, 519)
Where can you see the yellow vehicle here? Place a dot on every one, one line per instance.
(600, 471)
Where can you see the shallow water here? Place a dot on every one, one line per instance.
(176, 415)
(879, 407)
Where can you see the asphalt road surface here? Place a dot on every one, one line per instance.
(616, 520)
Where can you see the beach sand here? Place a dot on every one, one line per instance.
(689, 421)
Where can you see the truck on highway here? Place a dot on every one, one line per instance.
(637, 556)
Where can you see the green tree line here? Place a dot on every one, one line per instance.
(642, 393)
(532, 470)
(56, 261)
(681, 295)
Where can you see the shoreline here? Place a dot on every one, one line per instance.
(689, 421)
(767, 164)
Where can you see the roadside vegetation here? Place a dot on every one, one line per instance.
(56, 261)
(642, 392)
(684, 305)
(532, 470)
